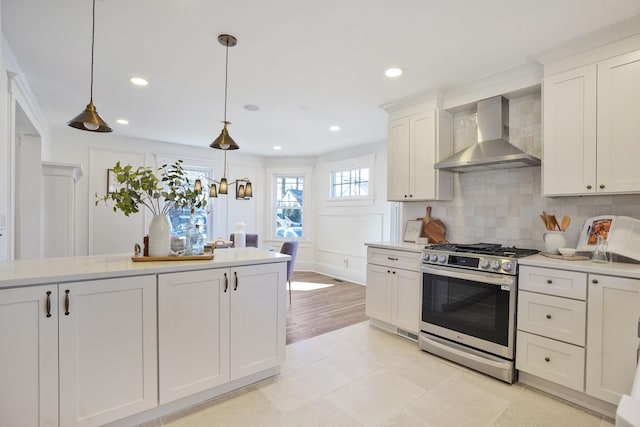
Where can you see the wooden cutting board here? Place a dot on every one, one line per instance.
(433, 229)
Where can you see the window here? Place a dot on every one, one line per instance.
(289, 201)
(350, 183)
(180, 218)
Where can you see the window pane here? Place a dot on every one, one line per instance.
(289, 206)
(350, 183)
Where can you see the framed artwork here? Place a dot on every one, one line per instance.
(111, 181)
(412, 230)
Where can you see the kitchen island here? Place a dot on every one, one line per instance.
(102, 339)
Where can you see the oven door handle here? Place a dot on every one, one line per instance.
(491, 280)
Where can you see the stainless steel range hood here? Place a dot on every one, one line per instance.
(493, 150)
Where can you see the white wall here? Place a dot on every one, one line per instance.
(343, 229)
(99, 229)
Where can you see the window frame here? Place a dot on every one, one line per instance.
(305, 174)
(348, 165)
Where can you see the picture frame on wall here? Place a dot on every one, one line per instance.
(412, 230)
(111, 181)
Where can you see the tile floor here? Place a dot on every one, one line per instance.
(361, 376)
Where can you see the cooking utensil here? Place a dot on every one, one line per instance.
(554, 223)
(433, 229)
(565, 223)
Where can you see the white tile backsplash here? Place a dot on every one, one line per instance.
(504, 206)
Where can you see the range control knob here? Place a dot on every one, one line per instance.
(507, 266)
(434, 257)
(484, 263)
(496, 265)
(442, 259)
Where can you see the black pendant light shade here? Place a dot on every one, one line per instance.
(89, 119)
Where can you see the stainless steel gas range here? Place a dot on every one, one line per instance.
(469, 304)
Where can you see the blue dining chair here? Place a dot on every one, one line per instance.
(290, 248)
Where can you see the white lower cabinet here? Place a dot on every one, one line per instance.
(612, 336)
(393, 294)
(218, 325)
(29, 356)
(193, 332)
(107, 349)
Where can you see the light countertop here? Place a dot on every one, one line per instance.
(397, 245)
(612, 268)
(71, 269)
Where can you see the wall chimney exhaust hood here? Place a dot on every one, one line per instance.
(493, 150)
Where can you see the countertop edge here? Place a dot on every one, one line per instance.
(397, 245)
(42, 271)
(611, 269)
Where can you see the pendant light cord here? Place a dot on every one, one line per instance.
(93, 41)
(226, 75)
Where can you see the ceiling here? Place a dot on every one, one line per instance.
(306, 64)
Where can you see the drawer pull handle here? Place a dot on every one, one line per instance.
(390, 258)
(66, 302)
(235, 273)
(594, 281)
(226, 282)
(546, 359)
(48, 304)
(393, 272)
(549, 281)
(388, 271)
(589, 187)
(601, 185)
(548, 316)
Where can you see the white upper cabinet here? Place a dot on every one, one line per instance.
(418, 140)
(591, 128)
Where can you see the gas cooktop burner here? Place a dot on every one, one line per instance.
(494, 249)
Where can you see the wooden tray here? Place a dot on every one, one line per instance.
(206, 256)
(567, 258)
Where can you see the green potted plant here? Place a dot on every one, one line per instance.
(139, 188)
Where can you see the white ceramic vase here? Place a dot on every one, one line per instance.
(160, 236)
(553, 240)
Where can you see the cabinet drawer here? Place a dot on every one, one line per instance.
(552, 360)
(570, 284)
(554, 317)
(394, 258)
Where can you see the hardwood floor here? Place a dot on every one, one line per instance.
(322, 304)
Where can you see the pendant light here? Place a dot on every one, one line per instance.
(224, 141)
(89, 119)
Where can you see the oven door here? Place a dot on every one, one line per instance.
(473, 308)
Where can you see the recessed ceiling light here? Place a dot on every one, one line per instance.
(277, 147)
(393, 72)
(251, 107)
(122, 121)
(138, 81)
(334, 128)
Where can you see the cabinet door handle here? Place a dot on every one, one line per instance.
(601, 185)
(410, 195)
(546, 359)
(589, 187)
(405, 196)
(226, 282)
(388, 271)
(594, 281)
(48, 304)
(548, 316)
(235, 273)
(66, 302)
(393, 272)
(390, 258)
(549, 281)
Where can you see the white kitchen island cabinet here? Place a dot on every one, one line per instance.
(29, 356)
(590, 129)
(81, 335)
(217, 326)
(108, 351)
(416, 141)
